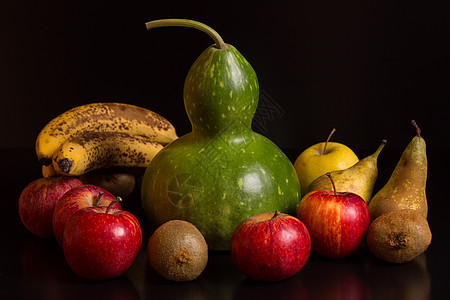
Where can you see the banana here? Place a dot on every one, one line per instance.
(95, 150)
(49, 171)
(102, 117)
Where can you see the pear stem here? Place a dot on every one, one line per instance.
(276, 214)
(413, 122)
(326, 142)
(377, 152)
(220, 44)
(100, 194)
(118, 199)
(332, 182)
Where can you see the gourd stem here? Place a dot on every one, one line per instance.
(220, 44)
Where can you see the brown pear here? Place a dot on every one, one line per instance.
(359, 178)
(406, 186)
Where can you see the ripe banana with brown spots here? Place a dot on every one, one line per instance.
(49, 171)
(95, 150)
(102, 117)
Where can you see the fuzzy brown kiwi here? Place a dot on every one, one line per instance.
(399, 236)
(177, 251)
(118, 181)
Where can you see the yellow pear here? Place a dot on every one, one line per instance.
(358, 179)
(406, 186)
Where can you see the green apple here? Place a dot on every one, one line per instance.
(322, 158)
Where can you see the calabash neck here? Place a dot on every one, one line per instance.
(221, 91)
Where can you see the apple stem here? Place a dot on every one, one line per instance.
(118, 199)
(326, 142)
(332, 183)
(220, 44)
(100, 194)
(413, 122)
(276, 214)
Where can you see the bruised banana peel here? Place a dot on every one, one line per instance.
(49, 171)
(102, 117)
(95, 150)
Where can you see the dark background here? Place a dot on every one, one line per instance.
(364, 67)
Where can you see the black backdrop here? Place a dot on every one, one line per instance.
(364, 67)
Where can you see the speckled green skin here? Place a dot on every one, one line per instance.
(222, 172)
(406, 188)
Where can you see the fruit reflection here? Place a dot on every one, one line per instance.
(335, 279)
(46, 275)
(155, 286)
(292, 288)
(399, 281)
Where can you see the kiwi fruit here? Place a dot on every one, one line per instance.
(118, 181)
(399, 236)
(177, 251)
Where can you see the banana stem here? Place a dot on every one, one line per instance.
(220, 44)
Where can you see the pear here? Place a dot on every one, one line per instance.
(406, 186)
(359, 178)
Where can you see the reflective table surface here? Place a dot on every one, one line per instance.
(34, 268)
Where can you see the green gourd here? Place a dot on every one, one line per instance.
(221, 172)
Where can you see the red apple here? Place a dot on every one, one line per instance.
(337, 221)
(37, 203)
(77, 198)
(101, 242)
(270, 247)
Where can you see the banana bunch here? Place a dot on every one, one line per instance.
(101, 135)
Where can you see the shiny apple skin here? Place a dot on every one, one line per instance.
(77, 198)
(337, 222)
(312, 162)
(268, 248)
(99, 245)
(38, 200)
